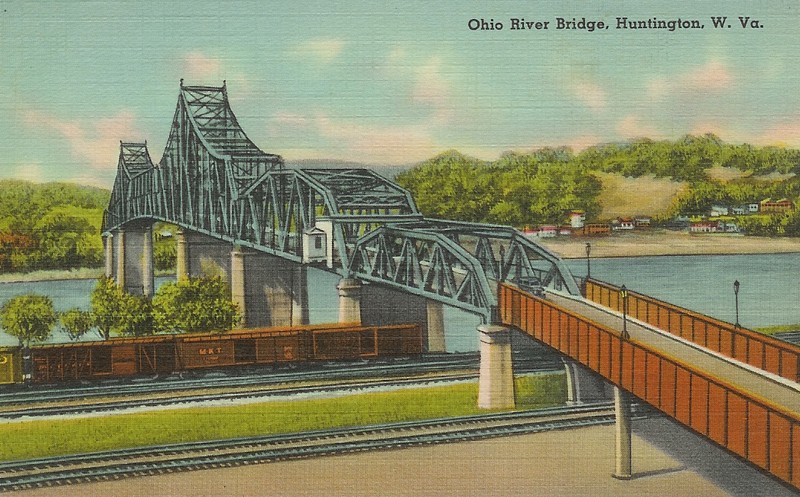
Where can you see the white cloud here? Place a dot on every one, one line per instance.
(352, 141)
(200, 67)
(322, 50)
(432, 89)
(711, 77)
(28, 172)
(631, 127)
(96, 145)
(591, 94)
(786, 133)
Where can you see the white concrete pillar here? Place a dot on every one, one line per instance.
(436, 341)
(148, 275)
(622, 409)
(238, 290)
(496, 382)
(120, 237)
(299, 295)
(181, 256)
(349, 300)
(108, 241)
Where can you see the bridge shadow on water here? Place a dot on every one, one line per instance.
(692, 452)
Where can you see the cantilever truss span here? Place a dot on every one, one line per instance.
(457, 262)
(213, 179)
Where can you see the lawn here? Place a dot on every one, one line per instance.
(33, 439)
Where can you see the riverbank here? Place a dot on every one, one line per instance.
(664, 242)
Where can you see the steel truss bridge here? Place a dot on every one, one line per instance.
(213, 179)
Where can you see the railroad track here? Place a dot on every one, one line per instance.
(112, 465)
(110, 406)
(221, 379)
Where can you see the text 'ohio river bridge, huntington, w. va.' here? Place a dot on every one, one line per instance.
(264, 224)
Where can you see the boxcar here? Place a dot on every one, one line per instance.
(10, 365)
(121, 357)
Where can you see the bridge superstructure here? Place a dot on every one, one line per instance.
(213, 180)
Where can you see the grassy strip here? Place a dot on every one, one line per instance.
(33, 439)
(783, 328)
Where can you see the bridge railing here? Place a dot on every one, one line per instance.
(748, 426)
(753, 348)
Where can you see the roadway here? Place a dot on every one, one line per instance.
(774, 390)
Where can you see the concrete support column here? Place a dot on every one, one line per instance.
(299, 295)
(148, 273)
(238, 289)
(120, 276)
(182, 256)
(496, 382)
(349, 300)
(135, 264)
(108, 245)
(622, 408)
(436, 341)
(584, 385)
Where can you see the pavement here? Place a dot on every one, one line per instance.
(668, 460)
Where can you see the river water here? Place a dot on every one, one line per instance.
(769, 292)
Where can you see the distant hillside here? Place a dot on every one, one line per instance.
(50, 225)
(646, 195)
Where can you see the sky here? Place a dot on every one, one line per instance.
(387, 83)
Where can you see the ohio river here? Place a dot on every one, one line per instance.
(769, 290)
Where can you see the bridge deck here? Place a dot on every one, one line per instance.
(752, 413)
(747, 379)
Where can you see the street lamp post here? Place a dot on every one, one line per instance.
(623, 293)
(736, 297)
(588, 261)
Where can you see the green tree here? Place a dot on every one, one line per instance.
(29, 318)
(116, 312)
(105, 300)
(193, 305)
(76, 323)
(134, 316)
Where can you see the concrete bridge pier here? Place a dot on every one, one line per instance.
(108, 248)
(435, 331)
(201, 255)
(129, 259)
(381, 305)
(349, 300)
(270, 291)
(622, 408)
(496, 381)
(583, 385)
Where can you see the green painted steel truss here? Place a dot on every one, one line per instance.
(213, 179)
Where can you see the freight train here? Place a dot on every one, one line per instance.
(164, 354)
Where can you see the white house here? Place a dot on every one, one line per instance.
(577, 219)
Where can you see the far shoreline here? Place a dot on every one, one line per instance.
(664, 243)
(640, 243)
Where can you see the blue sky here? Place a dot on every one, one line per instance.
(385, 83)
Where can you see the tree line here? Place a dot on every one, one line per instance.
(191, 305)
(541, 186)
(57, 226)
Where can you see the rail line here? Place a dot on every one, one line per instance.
(110, 465)
(108, 407)
(243, 378)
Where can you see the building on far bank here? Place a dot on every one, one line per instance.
(595, 229)
(577, 219)
(719, 210)
(777, 206)
(704, 227)
(624, 223)
(548, 231)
